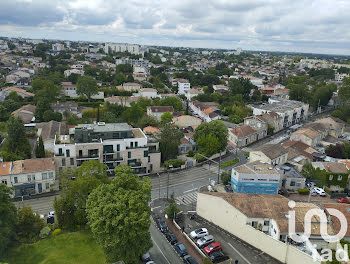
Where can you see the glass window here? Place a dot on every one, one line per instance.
(145, 153)
(72, 161)
(50, 175)
(33, 177)
(340, 177)
(67, 152)
(47, 186)
(129, 154)
(149, 159)
(266, 222)
(330, 177)
(29, 178)
(4, 182)
(15, 179)
(136, 144)
(292, 183)
(44, 176)
(118, 147)
(63, 162)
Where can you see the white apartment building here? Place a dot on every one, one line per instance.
(183, 86)
(57, 47)
(67, 73)
(28, 177)
(123, 47)
(112, 144)
(340, 76)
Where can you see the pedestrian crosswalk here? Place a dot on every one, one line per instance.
(187, 199)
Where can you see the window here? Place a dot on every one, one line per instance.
(340, 177)
(60, 151)
(4, 182)
(50, 175)
(266, 222)
(145, 153)
(292, 183)
(330, 177)
(47, 186)
(67, 152)
(63, 162)
(33, 177)
(136, 144)
(149, 159)
(29, 178)
(254, 224)
(131, 144)
(15, 179)
(80, 153)
(118, 147)
(44, 176)
(129, 155)
(72, 161)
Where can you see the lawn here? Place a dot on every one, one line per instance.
(230, 163)
(77, 247)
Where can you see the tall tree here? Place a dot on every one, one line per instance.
(119, 216)
(344, 90)
(17, 141)
(40, 150)
(167, 117)
(87, 86)
(29, 224)
(169, 142)
(8, 218)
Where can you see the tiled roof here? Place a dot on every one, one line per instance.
(243, 131)
(272, 150)
(26, 166)
(151, 130)
(5, 168)
(18, 90)
(161, 109)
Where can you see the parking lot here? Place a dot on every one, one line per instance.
(233, 247)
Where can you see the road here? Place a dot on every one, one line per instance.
(41, 205)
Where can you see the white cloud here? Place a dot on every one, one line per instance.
(300, 25)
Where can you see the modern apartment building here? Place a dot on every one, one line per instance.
(112, 144)
(124, 47)
(28, 177)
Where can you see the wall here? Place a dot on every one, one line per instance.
(221, 213)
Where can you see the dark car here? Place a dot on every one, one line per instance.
(218, 256)
(189, 260)
(228, 188)
(180, 248)
(171, 237)
(162, 225)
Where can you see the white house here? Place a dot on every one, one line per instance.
(147, 92)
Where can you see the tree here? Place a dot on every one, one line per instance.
(8, 218)
(51, 115)
(167, 117)
(217, 129)
(208, 144)
(40, 150)
(344, 90)
(17, 141)
(119, 216)
(87, 86)
(29, 224)
(42, 107)
(270, 130)
(133, 114)
(169, 142)
(172, 101)
(172, 210)
(225, 178)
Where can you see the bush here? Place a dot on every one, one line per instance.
(225, 178)
(45, 232)
(176, 163)
(172, 210)
(304, 191)
(190, 153)
(230, 163)
(57, 231)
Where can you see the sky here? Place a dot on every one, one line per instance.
(316, 26)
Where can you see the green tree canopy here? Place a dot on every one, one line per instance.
(344, 90)
(40, 150)
(172, 101)
(169, 142)
(119, 216)
(87, 86)
(167, 117)
(29, 224)
(8, 218)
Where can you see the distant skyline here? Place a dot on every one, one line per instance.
(308, 26)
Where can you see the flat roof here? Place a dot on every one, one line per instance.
(102, 127)
(256, 167)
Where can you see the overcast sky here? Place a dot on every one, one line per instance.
(318, 26)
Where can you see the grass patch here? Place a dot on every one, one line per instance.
(76, 247)
(230, 162)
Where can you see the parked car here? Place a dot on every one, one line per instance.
(319, 191)
(180, 248)
(50, 220)
(213, 247)
(171, 238)
(189, 260)
(146, 257)
(218, 256)
(343, 200)
(204, 241)
(162, 225)
(198, 233)
(150, 262)
(228, 188)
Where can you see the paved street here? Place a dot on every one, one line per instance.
(41, 205)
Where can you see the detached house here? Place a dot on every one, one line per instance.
(243, 135)
(208, 111)
(158, 111)
(273, 154)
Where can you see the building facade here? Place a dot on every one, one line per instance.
(113, 144)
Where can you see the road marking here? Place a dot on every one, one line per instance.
(160, 251)
(239, 254)
(194, 180)
(190, 190)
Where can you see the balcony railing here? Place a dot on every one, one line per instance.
(92, 156)
(59, 154)
(113, 160)
(136, 147)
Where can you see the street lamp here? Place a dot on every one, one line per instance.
(167, 186)
(159, 184)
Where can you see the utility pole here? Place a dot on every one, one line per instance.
(167, 186)
(159, 184)
(219, 168)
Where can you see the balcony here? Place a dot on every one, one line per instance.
(135, 164)
(136, 147)
(92, 156)
(59, 154)
(113, 160)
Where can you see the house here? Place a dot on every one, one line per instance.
(131, 87)
(121, 100)
(262, 221)
(16, 75)
(185, 146)
(70, 107)
(112, 144)
(345, 210)
(299, 153)
(150, 130)
(186, 121)
(291, 179)
(306, 135)
(193, 92)
(273, 154)
(70, 90)
(243, 135)
(208, 111)
(67, 73)
(48, 132)
(28, 177)
(26, 113)
(21, 92)
(147, 93)
(255, 177)
(218, 88)
(273, 120)
(158, 111)
(183, 85)
(258, 124)
(336, 174)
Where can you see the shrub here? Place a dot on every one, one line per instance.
(176, 163)
(190, 153)
(304, 191)
(172, 210)
(225, 178)
(230, 163)
(44, 232)
(57, 231)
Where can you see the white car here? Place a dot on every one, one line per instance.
(318, 191)
(204, 241)
(198, 233)
(52, 213)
